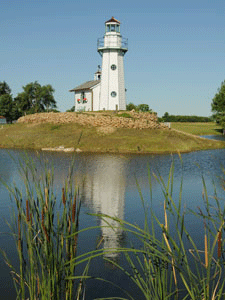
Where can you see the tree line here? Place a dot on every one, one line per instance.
(34, 99)
(173, 118)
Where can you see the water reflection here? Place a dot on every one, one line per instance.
(104, 193)
(110, 181)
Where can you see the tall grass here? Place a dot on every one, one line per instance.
(170, 263)
(41, 229)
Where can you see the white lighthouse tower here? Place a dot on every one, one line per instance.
(112, 47)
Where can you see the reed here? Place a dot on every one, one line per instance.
(169, 264)
(46, 235)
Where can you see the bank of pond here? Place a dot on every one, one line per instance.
(152, 225)
(105, 139)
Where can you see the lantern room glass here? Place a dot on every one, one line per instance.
(112, 28)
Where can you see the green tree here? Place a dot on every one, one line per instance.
(4, 88)
(131, 106)
(143, 107)
(36, 98)
(72, 109)
(6, 105)
(218, 105)
(165, 117)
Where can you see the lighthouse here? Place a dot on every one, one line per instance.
(107, 90)
(112, 48)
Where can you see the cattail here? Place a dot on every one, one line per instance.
(27, 211)
(43, 225)
(69, 224)
(63, 197)
(219, 250)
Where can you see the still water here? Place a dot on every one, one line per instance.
(109, 186)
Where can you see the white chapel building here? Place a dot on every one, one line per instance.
(107, 90)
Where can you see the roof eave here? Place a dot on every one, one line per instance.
(85, 89)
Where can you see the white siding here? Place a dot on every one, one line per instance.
(83, 106)
(121, 83)
(105, 81)
(96, 97)
(112, 80)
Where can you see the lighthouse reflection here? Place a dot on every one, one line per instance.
(105, 192)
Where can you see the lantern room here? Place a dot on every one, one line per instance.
(112, 26)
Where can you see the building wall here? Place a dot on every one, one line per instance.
(96, 97)
(104, 80)
(83, 105)
(121, 82)
(112, 81)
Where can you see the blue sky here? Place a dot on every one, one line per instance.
(175, 62)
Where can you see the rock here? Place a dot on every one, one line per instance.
(139, 120)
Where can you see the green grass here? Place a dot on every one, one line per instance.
(210, 128)
(87, 138)
(124, 115)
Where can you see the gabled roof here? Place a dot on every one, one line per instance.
(113, 20)
(86, 86)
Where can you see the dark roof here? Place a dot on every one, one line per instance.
(86, 86)
(113, 20)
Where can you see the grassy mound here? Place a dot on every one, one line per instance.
(93, 139)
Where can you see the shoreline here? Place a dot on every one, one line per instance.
(121, 152)
(75, 138)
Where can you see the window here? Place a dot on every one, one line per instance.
(117, 28)
(107, 28)
(113, 94)
(113, 27)
(113, 67)
(82, 96)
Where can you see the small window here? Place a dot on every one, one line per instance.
(107, 28)
(113, 67)
(113, 27)
(82, 96)
(113, 94)
(117, 28)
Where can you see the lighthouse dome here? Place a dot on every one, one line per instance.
(112, 26)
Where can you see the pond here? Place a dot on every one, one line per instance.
(110, 186)
(215, 137)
